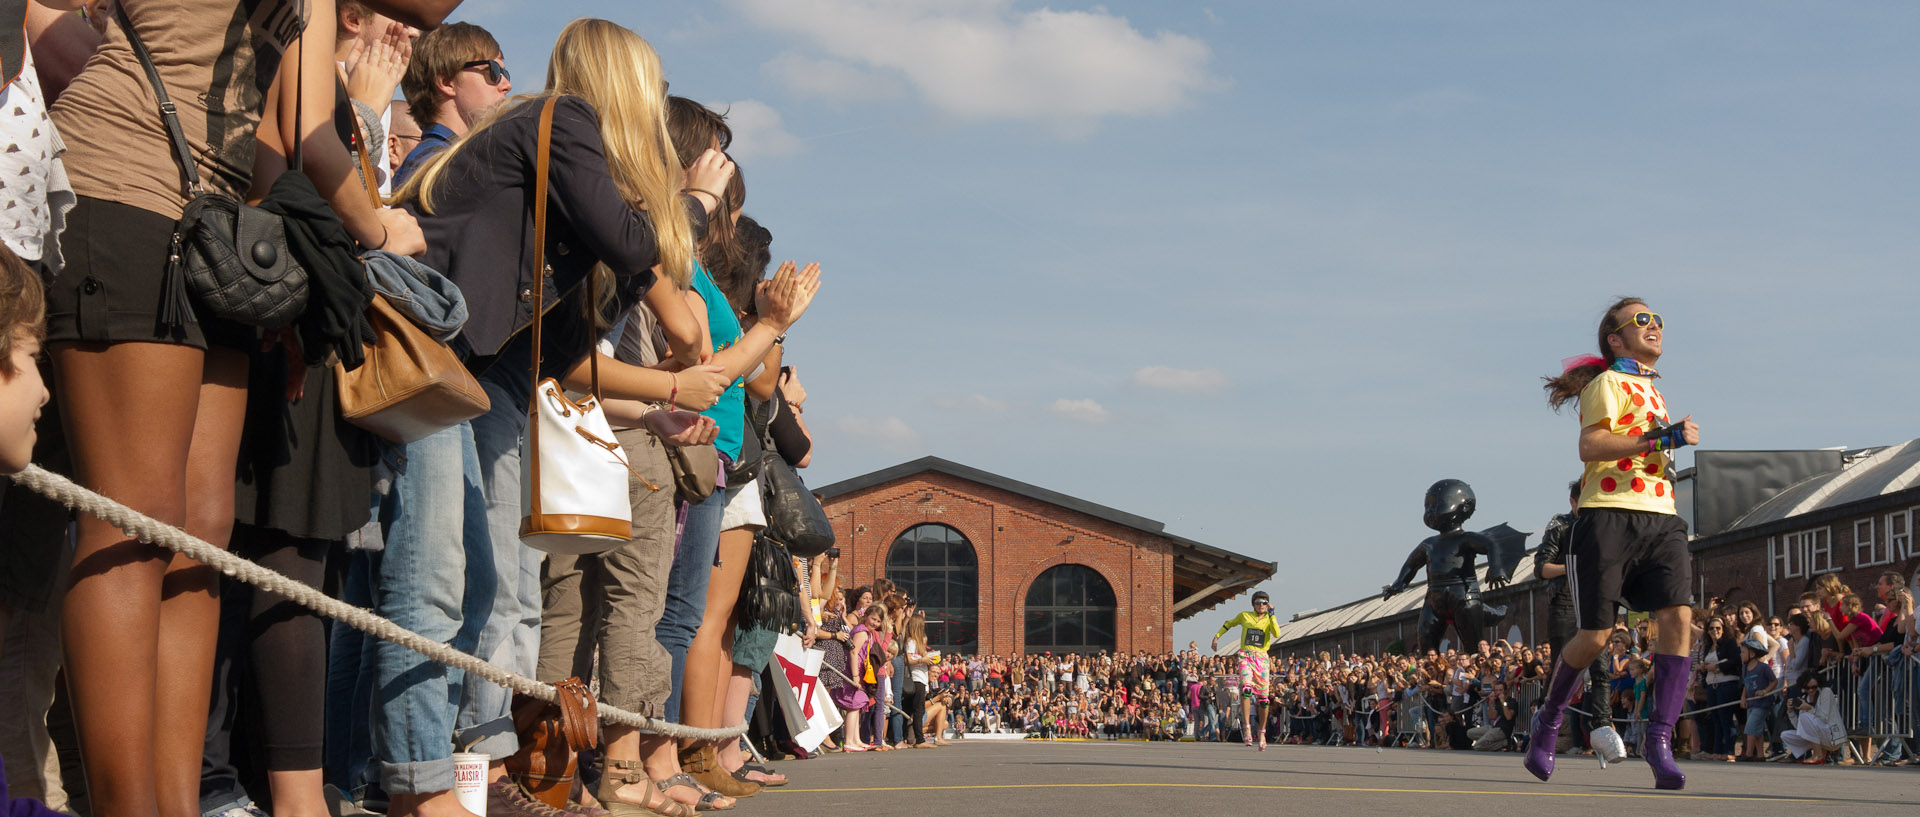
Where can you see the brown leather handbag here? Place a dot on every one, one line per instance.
(552, 736)
(410, 385)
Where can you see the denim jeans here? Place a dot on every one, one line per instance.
(687, 585)
(896, 722)
(510, 635)
(436, 577)
(349, 689)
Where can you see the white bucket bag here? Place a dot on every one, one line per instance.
(573, 473)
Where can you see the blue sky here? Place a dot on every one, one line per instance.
(1264, 271)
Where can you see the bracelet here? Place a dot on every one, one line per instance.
(383, 238)
(716, 196)
(675, 392)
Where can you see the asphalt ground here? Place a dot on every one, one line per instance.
(1067, 779)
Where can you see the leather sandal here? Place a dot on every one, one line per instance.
(622, 772)
(745, 769)
(707, 796)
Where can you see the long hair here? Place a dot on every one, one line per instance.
(917, 629)
(1566, 388)
(693, 129)
(617, 72)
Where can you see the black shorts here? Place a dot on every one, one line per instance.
(112, 286)
(1636, 558)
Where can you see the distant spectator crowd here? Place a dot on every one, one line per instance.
(1833, 679)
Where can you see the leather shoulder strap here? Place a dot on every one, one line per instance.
(368, 179)
(540, 157)
(189, 169)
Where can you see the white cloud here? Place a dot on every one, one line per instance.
(971, 402)
(1187, 380)
(889, 433)
(983, 60)
(830, 79)
(1080, 411)
(758, 130)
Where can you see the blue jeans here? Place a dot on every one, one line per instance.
(436, 577)
(349, 705)
(510, 635)
(686, 602)
(896, 722)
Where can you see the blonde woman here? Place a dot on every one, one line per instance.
(616, 210)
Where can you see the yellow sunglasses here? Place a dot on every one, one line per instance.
(1642, 320)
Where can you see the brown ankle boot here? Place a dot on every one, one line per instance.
(704, 764)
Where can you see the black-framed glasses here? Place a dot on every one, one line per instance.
(494, 70)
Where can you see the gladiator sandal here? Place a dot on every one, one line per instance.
(1544, 735)
(1669, 694)
(621, 772)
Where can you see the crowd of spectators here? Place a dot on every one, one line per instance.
(431, 231)
(1792, 687)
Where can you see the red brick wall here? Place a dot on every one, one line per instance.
(1746, 564)
(1016, 538)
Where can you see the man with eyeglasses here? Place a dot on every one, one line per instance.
(1629, 545)
(457, 74)
(1259, 630)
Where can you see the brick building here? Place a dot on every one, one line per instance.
(1764, 525)
(1004, 567)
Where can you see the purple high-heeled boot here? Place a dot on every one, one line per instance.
(1545, 732)
(1669, 695)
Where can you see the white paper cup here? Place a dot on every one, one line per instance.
(470, 781)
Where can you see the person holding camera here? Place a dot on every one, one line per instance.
(1498, 714)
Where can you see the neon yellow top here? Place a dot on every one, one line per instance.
(1258, 631)
(1627, 404)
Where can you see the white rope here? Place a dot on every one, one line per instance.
(147, 529)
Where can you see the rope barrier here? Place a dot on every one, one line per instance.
(153, 531)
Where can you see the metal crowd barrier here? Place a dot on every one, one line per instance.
(1878, 696)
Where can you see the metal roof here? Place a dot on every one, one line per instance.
(1883, 471)
(1373, 608)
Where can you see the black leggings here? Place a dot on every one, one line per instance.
(916, 706)
(285, 648)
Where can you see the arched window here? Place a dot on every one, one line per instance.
(1070, 608)
(936, 566)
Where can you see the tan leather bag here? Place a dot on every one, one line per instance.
(552, 736)
(410, 385)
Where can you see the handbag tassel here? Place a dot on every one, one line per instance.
(176, 306)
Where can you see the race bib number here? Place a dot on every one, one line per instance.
(1256, 638)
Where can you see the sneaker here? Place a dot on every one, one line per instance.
(244, 808)
(1607, 745)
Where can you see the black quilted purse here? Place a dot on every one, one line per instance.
(794, 518)
(232, 256)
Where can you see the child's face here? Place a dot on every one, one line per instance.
(21, 397)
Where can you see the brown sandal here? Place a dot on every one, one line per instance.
(658, 804)
(707, 796)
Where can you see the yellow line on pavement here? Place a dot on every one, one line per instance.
(1302, 788)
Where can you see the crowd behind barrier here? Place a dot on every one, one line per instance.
(1832, 700)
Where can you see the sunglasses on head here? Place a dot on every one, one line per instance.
(1643, 320)
(494, 70)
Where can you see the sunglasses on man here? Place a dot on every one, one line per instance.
(494, 71)
(1642, 320)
